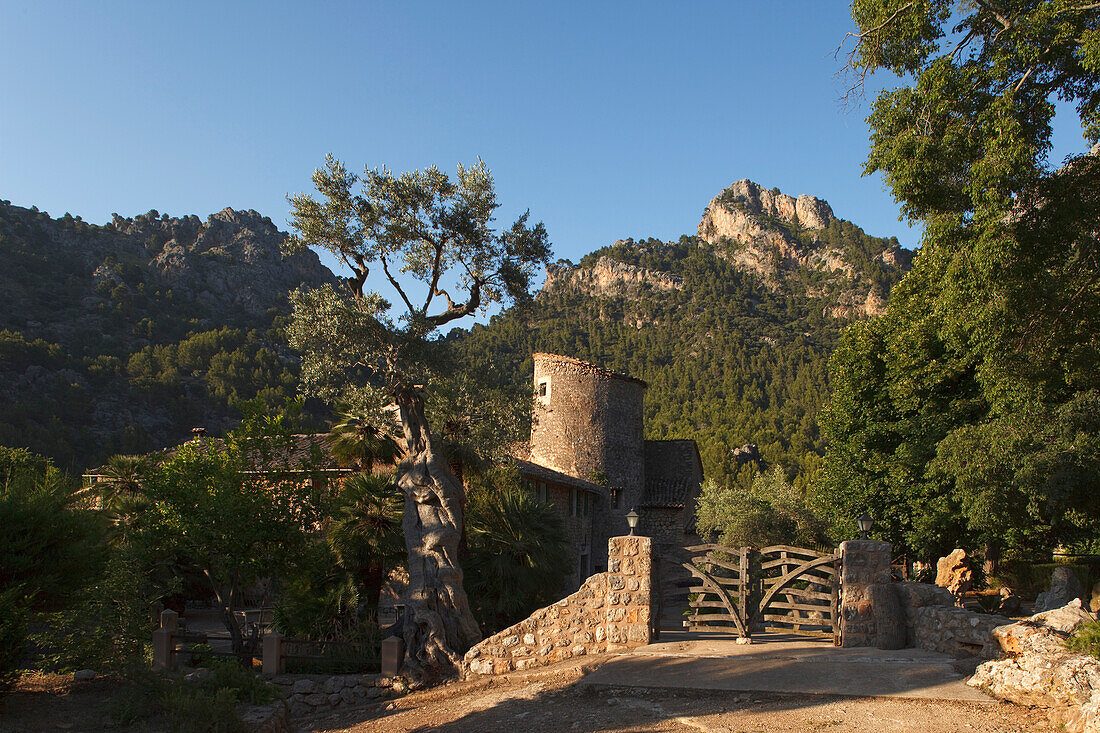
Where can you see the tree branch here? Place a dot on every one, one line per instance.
(1005, 22)
(433, 286)
(861, 39)
(462, 309)
(361, 271)
(395, 284)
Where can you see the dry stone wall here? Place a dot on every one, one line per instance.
(610, 611)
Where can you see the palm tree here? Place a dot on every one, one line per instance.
(120, 492)
(362, 439)
(365, 533)
(519, 556)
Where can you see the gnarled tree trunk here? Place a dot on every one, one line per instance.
(439, 626)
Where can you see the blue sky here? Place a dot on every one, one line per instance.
(607, 120)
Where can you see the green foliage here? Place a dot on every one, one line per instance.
(86, 337)
(362, 437)
(364, 532)
(13, 634)
(318, 599)
(968, 413)
(770, 512)
(519, 556)
(234, 526)
(50, 550)
(435, 230)
(475, 421)
(1086, 639)
(205, 706)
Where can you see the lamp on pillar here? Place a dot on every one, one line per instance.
(865, 523)
(632, 520)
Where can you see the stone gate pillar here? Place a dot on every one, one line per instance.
(862, 563)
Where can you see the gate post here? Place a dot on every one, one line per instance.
(744, 591)
(861, 564)
(164, 642)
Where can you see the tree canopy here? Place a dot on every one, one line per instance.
(966, 413)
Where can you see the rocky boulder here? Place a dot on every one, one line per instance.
(954, 573)
(1064, 588)
(1039, 670)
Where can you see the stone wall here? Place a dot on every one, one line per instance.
(306, 693)
(610, 611)
(935, 623)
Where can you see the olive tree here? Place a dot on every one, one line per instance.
(440, 259)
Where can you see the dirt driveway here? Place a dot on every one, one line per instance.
(552, 700)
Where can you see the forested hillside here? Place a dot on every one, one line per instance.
(119, 338)
(732, 354)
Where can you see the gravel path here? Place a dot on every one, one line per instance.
(549, 701)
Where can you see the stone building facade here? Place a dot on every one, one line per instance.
(587, 438)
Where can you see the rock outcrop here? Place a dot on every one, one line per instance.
(775, 236)
(1039, 670)
(112, 304)
(609, 277)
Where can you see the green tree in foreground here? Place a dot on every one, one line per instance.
(50, 550)
(771, 512)
(231, 513)
(433, 240)
(967, 413)
(519, 556)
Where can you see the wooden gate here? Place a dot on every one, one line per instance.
(742, 589)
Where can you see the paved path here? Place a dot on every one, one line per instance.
(785, 663)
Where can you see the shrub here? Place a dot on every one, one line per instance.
(519, 556)
(1086, 639)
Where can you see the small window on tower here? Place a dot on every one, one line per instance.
(543, 390)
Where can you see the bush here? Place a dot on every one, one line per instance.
(1030, 579)
(519, 556)
(50, 551)
(207, 706)
(13, 630)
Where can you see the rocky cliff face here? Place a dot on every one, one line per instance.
(782, 239)
(230, 262)
(121, 337)
(609, 277)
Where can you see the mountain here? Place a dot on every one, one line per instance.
(798, 243)
(731, 327)
(119, 338)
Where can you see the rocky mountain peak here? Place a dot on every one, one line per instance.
(808, 212)
(788, 241)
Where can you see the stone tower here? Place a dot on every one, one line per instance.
(587, 422)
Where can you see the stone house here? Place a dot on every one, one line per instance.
(588, 457)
